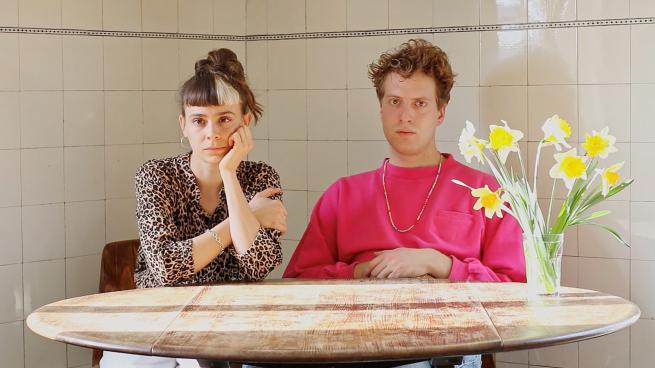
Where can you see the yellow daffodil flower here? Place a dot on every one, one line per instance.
(556, 130)
(569, 167)
(489, 200)
(469, 145)
(504, 140)
(599, 144)
(610, 176)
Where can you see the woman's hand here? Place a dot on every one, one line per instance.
(270, 213)
(241, 142)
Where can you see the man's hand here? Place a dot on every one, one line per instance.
(270, 213)
(407, 262)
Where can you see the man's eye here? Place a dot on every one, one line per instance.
(421, 103)
(394, 101)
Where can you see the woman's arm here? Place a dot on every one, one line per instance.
(244, 225)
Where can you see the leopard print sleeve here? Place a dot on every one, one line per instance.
(167, 260)
(265, 253)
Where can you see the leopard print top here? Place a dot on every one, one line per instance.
(169, 215)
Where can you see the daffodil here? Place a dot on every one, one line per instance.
(599, 144)
(610, 176)
(556, 130)
(504, 140)
(469, 145)
(569, 167)
(491, 201)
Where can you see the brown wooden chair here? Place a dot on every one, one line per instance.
(116, 273)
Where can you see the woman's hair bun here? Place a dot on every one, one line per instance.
(222, 62)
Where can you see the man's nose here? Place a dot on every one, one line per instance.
(406, 113)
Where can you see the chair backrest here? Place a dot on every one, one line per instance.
(117, 266)
(116, 273)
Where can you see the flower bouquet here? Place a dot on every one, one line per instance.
(588, 183)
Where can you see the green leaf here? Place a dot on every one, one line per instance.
(609, 229)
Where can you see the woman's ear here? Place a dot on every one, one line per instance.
(247, 119)
(182, 121)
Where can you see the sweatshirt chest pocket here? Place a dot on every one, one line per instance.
(458, 230)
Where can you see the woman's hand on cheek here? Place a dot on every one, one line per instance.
(241, 142)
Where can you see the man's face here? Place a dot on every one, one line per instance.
(410, 114)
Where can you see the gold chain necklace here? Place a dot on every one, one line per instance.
(425, 203)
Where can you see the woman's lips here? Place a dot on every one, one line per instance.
(216, 149)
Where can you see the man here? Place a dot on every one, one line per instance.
(407, 218)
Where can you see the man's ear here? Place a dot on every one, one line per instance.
(182, 121)
(441, 114)
(247, 119)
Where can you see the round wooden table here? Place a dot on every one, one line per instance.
(331, 321)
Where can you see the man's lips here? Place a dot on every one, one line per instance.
(405, 132)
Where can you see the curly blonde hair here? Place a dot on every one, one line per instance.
(412, 56)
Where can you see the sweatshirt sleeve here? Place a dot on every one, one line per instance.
(168, 260)
(316, 255)
(501, 255)
(265, 253)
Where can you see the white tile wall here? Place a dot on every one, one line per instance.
(551, 10)
(81, 14)
(456, 13)
(84, 118)
(85, 228)
(410, 13)
(195, 16)
(10, 122)
(121, 15)
(326, 15)
(41, 119)
(10, 228)
(230, 17)
(37, 13)
(82, 61)
(9, 13)
(43, 232)
(159, 15)
(326, 63)
(11, 352)
(40, 62)
(287, 114)
(326, 115)
(9, 62)
(604, 55)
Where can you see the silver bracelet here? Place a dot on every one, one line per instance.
(216, 237)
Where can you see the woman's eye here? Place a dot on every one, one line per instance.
(197, 121)
(224, 120)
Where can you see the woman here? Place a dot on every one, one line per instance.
(183, 202)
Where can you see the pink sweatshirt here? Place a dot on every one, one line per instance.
(350, 222)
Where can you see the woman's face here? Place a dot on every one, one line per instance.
(208, 129)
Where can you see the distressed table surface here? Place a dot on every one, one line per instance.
(331, 321)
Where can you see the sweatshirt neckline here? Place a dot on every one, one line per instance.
(417, 172)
